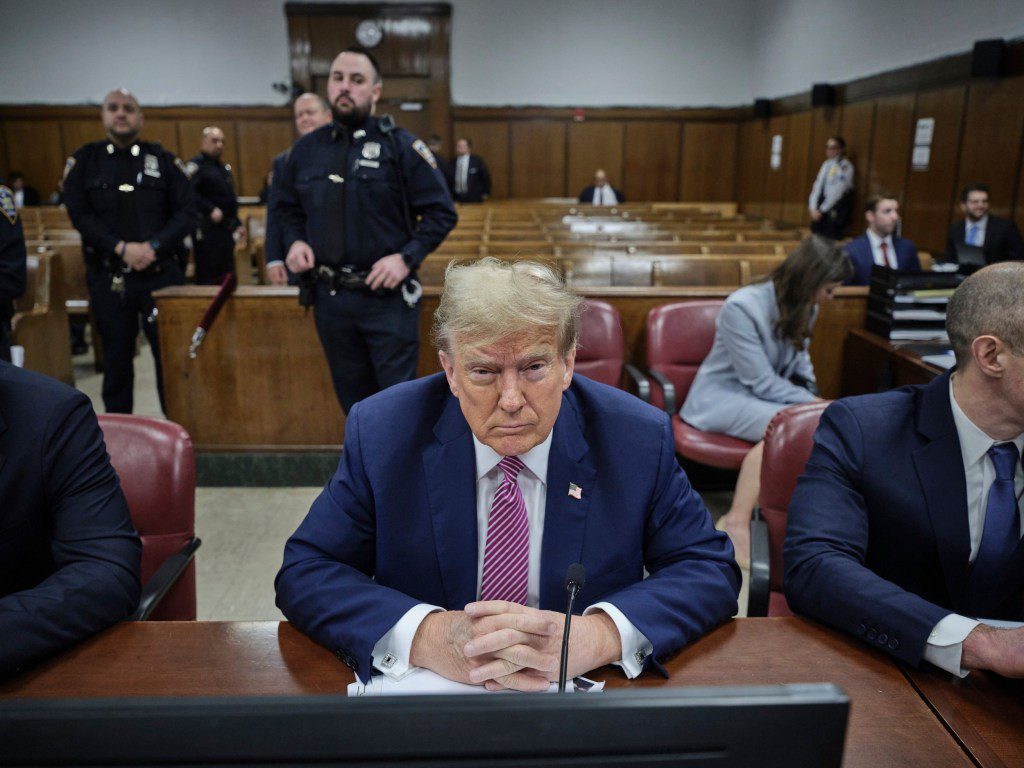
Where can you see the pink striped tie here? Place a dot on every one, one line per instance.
(507, 551)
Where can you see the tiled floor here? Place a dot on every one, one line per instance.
(244, 529)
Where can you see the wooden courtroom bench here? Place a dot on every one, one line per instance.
(260, 381)
(40, 322)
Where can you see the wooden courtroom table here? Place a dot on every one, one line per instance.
(984, 713)
(890, 724)
(260, 381)
(872, 363)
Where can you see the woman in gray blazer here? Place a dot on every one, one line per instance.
(759, 364)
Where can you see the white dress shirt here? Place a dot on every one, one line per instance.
(605, 196)
(19, 198)
(462, 174)
(876, 249)
(945, 643)
(981, 226)
(391, 652)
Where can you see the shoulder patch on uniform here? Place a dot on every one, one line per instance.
(424, 151)
(7, 204)
(68, 166)
(188, 168)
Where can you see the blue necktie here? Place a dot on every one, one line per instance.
(1002, 520)
(972, 234)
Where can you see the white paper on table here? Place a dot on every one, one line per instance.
(423, 681)
(944, 360)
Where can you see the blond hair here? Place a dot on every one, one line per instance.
(491, 299)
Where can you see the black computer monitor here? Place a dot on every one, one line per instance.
(792, 726)
(971, 258)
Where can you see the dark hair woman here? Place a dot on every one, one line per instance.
(759, 363)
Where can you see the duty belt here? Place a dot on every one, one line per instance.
(346, 278)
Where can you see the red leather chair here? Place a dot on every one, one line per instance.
(787, 446)
(600, 355)
(679, 337)
(156, 464)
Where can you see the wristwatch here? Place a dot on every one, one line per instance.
(409, 259)
(155, 245)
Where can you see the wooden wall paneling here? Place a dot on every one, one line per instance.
(709, 162)
(593, 145)
(34, 148)
(491, 141)
(751, 162)
(773, 179)
(651, 161)
(163, 131)
(538, 159)
(891, 144)
(259, 141)
(991, 144)
(796, 184)
(825, 122)
(1019, 208)
(77, 132)
(190, 136)
(926, 211)
(858, 125)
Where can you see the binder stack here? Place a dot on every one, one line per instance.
(909, 306)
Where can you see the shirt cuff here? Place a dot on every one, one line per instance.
(635, 646)
(391, 653)
(273, 263)
(946, 643)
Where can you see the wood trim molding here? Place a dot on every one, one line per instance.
(705, 114)
(180, 112)
(375, 10)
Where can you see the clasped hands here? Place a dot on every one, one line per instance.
(501, 645)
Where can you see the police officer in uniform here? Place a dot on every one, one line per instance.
(132, 203)
(361, 204)
(831, 198)
(311, 112)
(12, 266)
(218, 207)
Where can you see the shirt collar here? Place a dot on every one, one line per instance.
(980, 223)
(974, 443)
(535, 459)
(875, 240)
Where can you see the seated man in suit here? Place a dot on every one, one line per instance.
(461, 499)
(467, 175)
(999, 239)
(879, 243)
(69, 556)
(23, 194)
(904, 529)
(601, 192)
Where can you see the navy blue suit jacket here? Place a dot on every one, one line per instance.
(877, 540)
(397, 524)
(69, 556)
(859, 250)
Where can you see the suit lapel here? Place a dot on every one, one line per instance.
(565, 517)
(939, 465)
(450, 466)
(3, 428)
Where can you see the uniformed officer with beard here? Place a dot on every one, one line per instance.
(361, 204)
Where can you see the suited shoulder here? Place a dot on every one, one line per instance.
(881, 412)
(399, 409)
(610, 410)
(27, 397)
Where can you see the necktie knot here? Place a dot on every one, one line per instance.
(1004, 458)
(511, 466)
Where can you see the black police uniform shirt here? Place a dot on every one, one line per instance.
(139, 193)
(356, 170)
(214, 188)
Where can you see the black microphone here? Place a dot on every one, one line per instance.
(574, 581)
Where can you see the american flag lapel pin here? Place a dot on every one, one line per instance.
(575, 491)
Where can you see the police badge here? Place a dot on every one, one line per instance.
(371, 150)
(151, 166)
(7, 204)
